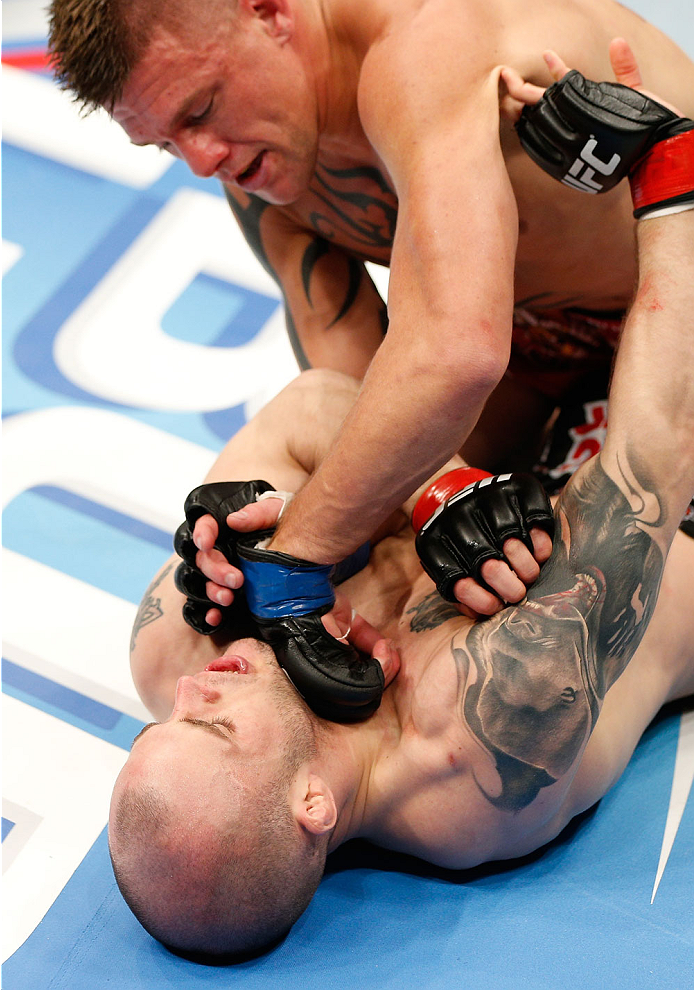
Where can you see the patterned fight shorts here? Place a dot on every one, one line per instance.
(552, 348)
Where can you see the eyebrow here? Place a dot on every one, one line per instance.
(210, 726)
(182, 112)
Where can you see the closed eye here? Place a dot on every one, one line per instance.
(226, 722)
(213, 725)
(198, 118)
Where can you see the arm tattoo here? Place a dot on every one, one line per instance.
(248, 218)
(150, 607)
(312, 255)
(431, 612)
(541, 670)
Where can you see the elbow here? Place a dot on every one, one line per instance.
(469, 364)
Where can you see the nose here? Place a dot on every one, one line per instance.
(191, 693)
(202, 152)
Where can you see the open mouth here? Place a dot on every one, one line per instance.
(586, 591)
(230, 664)
(249, 172)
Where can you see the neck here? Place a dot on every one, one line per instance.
(333, 42)
(348, 755)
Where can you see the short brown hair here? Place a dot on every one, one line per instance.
(93, 46)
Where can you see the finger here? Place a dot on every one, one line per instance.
(502, 580)
(387, 655)
(344, 623)
(363, 636)
(256, 515)
(542, 544)
(469, 612)
(216, 593)
(217, 568)
(624, 64)
(476, 598)
(205, 532)
(556, 65)
(521, 560)
(518, 88)
(213, 617)
(338, 620)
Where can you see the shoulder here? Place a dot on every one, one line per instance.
(439, 66)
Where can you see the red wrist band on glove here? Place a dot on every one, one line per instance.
(664, 178)
(441, 490)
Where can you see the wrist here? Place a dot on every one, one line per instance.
(292, 538)
(662, 183)
(441, 489)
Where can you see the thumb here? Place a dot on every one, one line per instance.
(624, 64)
(263, 514)
(387, 655)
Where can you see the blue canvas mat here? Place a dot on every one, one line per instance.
(116, 398)
(575, 915)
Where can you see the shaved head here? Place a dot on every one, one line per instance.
(204, 843)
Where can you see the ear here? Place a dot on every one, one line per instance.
(314, 805)
(276, 16)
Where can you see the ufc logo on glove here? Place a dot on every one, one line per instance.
(590, 164)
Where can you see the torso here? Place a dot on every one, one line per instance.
(432, 773)
(352, 202)
(436, 790)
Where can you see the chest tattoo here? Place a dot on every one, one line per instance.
(431, 612)
(356, 203)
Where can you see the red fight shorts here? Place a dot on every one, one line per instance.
(552, 348)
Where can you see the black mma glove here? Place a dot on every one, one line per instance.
(592, 135)
(287, 597)
(466, 515)
(218, 500)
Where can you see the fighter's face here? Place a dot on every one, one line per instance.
(234, 103)
(240, 708)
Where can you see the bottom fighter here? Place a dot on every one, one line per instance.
(494, 733)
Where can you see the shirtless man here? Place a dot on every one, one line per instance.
(493, 735)
(327, 120)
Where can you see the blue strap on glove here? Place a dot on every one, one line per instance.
(280, 587)
(287, 597)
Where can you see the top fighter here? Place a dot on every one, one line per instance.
(493, 735)
(378, 130)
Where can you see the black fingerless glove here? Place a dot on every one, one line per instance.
(471, 527)
(591, 135)
(287, 597)
(218, 500)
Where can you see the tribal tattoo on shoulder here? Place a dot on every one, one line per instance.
(533, 677)
(150, 607)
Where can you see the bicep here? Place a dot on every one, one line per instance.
(454, 249)
(162, 647)
(287, 438)
(335, 315)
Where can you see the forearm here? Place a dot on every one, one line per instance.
(407, 422)
(446, 348)
(652, 392)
